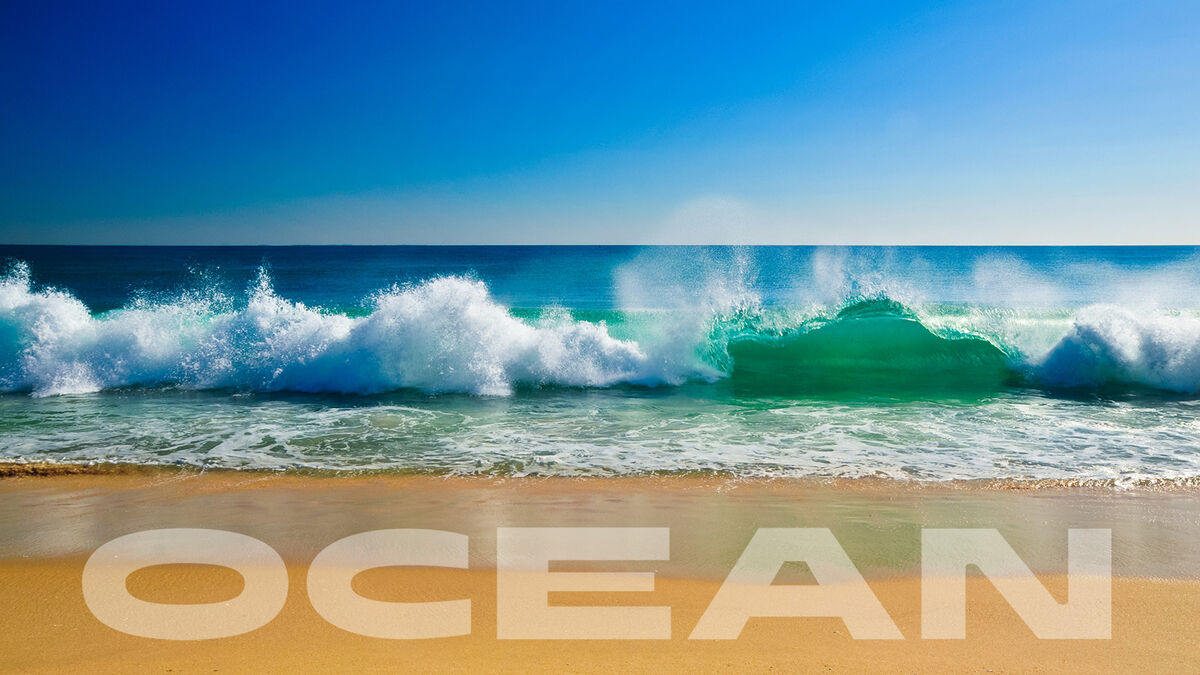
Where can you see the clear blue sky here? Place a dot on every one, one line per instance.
(600, 122)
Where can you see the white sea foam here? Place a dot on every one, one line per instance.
(446, 334)
(1109, 346)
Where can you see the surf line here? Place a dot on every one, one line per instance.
(524, 583)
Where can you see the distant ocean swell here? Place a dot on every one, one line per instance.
(448, 334)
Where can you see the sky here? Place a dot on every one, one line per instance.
(600, 122)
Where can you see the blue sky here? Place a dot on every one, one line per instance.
(563, 122)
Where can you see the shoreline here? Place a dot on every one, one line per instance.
(59, 514)
(11, 469)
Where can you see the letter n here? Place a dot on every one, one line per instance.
(946, 553)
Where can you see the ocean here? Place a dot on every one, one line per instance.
(926, 364)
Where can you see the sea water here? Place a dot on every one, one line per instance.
(1078, 364)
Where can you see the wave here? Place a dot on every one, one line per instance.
(448, 334)
(1113, 348)
(870, 345)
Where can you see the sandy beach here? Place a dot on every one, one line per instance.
(50, 524)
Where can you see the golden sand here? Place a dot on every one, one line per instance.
(47, 628)
(49, 525)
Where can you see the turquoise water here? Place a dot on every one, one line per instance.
(917, 363)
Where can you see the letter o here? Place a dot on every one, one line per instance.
(262, 597)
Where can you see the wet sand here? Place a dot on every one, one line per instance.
(50, 524)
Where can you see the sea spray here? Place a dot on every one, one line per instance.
(698, 301)
(444, 334)
(1111, 347)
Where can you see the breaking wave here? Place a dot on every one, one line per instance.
(448, 334)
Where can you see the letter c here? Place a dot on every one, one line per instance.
(332, 571)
